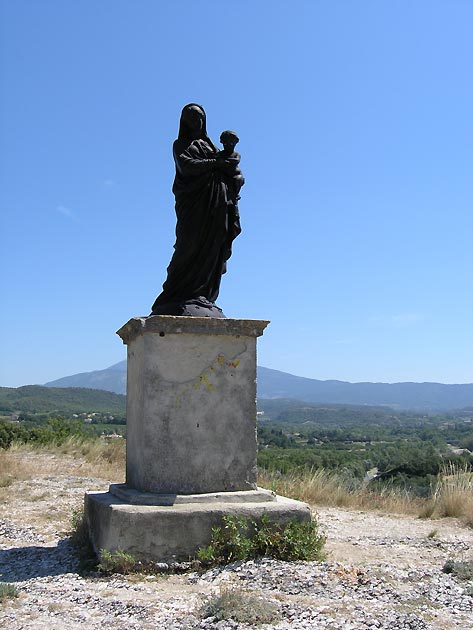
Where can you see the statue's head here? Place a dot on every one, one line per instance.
(193, 122)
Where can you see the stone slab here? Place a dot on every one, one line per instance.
(191, 404)
(172, 533)
(130, 495)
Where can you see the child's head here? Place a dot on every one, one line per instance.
(229, 139)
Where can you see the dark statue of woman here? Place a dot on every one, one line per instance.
(206, 189)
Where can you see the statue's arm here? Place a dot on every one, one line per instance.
(189, 165)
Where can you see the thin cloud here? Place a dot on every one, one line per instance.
(400, 320)
(347, 341)
(404, 320)
(67, 212)
(109, 183)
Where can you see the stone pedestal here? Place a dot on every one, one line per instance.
(191, 410)
(191, 439)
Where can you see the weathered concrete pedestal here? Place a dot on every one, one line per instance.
(191, 439)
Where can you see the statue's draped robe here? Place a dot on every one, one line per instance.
(207, 223)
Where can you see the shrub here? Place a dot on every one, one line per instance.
(7, 591)
(117, 562)
(243, 539)
(239, 605)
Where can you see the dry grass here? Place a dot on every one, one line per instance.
(102, 458)
(316, 487)
(453, 494)
(321, 487)
(105, 457)
(44, 483)
(13, 468)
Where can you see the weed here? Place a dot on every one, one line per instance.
(243, 539)
(240, 606)
(427, 509)
(433, 534)
(7, 591)
(117, 562)
(5, 481)
(79, 535)
(460, 570)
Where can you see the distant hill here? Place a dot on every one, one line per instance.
(418, 396)
(276, 384)
(112, 379)
(39, 399)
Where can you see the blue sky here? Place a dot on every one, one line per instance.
(356, 134)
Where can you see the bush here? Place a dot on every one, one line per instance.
(7, 591)
(239, 605)
(10, 433)
(79, 535)
(243, 539)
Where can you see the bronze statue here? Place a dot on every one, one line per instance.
(206, 188)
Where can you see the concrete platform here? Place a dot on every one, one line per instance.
(173, 533)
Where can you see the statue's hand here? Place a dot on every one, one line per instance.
(226, 165)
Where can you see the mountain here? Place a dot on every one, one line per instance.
(276, 384)
(112, 379)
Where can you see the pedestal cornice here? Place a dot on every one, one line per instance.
(171, 324)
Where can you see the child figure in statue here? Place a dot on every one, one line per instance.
(235, 181)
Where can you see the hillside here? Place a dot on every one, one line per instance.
(275, 384)
(39, 399)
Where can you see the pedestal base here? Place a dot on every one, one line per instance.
(173, 533)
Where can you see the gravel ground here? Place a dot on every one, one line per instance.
(382, 571)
